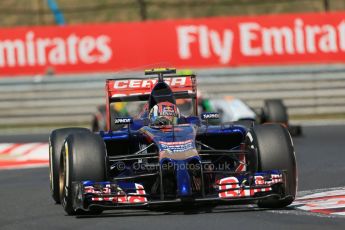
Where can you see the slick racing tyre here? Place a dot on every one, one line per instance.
(82, 158)
(276, 152)
(295, 130)
(274, 111)
(56, 140)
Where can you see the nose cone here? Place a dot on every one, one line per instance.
(183, 179)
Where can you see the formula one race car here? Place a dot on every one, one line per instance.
(165, 159)
(233, 109)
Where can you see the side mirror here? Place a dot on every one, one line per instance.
(210, 116)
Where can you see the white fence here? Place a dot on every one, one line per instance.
(68, 100)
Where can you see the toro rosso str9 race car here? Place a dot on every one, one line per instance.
(163, 158)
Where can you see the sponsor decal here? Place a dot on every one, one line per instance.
(168, 110)
(257, 39)
(119, 121)
(304, 36)
(148, 83)
(131, 87)
(30, 50)
(180, 146)
(231, 187)
(120, 197)
(209, 116)
(208, 42)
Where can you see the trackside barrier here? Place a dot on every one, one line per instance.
(68, 100)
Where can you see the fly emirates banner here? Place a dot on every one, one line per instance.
(193, 43)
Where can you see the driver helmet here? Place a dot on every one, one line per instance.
(164, 113)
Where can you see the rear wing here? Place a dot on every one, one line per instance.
(139, 89)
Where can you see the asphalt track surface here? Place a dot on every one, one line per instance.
(25, 201)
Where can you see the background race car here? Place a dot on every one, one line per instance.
(234, 109)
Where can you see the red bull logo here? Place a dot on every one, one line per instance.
(169, 110)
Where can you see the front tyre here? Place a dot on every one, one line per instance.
(82, 158)
(276, 152)
(56, 140)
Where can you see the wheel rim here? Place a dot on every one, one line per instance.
(62, 176)
(252, 157)
(51, 173)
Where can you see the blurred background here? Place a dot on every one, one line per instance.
(36, 103)
(38, 12)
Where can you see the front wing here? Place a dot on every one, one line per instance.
(240, 189)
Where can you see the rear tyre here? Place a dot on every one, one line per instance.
(276, 152)
(274, 111)
(295, 130)
(56, 140)
(82, 158)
